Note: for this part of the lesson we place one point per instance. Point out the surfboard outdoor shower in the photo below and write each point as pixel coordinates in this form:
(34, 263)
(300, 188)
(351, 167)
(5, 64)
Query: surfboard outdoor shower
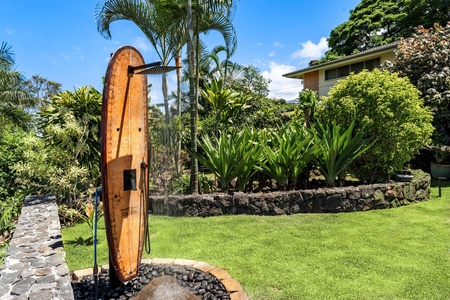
(125, 161)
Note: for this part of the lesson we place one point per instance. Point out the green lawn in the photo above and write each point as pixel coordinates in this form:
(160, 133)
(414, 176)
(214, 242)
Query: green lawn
(401, 253)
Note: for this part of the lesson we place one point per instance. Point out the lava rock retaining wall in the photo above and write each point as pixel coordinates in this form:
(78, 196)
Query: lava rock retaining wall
(326, 200)
(35, 266)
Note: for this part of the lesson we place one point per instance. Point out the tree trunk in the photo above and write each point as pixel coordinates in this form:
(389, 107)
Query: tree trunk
(178, 151)
(193, 104)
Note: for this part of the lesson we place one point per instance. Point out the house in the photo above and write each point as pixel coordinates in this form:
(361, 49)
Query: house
(321, 77)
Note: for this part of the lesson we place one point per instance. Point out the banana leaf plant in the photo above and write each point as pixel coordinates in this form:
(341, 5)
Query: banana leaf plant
(287, 153)
(337, 149)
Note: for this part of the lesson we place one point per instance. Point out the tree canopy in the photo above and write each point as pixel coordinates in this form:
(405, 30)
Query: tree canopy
(378, 22)
(424, 59)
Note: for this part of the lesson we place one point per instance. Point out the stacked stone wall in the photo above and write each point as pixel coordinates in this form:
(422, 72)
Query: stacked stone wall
(323, 200)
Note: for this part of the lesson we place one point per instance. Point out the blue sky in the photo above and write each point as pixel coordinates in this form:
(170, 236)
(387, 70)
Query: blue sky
(58, 39)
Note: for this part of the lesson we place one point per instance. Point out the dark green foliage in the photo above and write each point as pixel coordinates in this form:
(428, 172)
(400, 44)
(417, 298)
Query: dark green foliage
(286, 153)
(250, 82)
(425, 60)
(378, 22)
(71, 123)
(391, 113)
(336, 150)
(11, 188)
(231, 155)
(182, 185)
(308, 100)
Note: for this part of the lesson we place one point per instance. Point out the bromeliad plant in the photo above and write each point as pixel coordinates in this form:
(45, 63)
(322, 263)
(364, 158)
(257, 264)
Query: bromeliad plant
(336, 150)
(287, 153)
(89, 213)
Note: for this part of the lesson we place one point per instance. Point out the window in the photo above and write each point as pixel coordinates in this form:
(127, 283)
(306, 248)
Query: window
(372, 64)
(330, 74)
(356, 68)
(343, 71)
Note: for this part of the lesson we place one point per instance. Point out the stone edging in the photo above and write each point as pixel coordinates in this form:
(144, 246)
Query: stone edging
(231, 285)
(322, 200)
(35, 266)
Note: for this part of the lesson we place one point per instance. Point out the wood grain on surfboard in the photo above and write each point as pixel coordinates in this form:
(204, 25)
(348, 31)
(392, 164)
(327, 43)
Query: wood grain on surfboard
(124, 161)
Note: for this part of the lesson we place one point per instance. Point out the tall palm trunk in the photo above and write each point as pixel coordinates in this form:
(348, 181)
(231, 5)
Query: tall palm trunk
(192, 96)
(179, 127)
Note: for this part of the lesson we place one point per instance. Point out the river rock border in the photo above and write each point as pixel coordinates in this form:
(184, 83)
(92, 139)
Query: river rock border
(233, 287)
(322, 200)
(35, 266)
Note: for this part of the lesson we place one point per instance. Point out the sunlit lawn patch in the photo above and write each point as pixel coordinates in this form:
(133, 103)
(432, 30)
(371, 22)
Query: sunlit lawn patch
(400, 253)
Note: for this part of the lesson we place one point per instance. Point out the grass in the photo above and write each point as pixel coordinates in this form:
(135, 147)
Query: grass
(401, 253)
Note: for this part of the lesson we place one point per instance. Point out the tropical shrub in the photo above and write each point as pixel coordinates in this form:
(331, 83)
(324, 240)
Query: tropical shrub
(424, 59)
(70, 128)
(286, 153)
(72, 124)
(231, 155)
(220, 99)
(13, 188)
(336, 150)
(389, 111)
(308, 100)
(182, 184)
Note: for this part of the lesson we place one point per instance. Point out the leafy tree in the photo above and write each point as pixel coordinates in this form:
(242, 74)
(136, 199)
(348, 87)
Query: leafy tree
(258, 110)
(249, 81)
(378, 22)
(424, 59)
(14, 96)
(17, 145)
(224, 69)
(41, 89)
(389, 110)
(424, 13)
(71, 125)
(227, 106)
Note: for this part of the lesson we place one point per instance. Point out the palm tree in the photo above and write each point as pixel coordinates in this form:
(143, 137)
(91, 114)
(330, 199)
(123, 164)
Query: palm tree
(221, 11)
(14, 96)
(169, 25)
(6, 56)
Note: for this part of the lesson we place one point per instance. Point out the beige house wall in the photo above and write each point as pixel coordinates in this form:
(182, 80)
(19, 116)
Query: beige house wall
(324, 86)
(311, 81)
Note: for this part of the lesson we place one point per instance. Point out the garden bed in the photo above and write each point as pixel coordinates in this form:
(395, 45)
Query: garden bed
(321, 200)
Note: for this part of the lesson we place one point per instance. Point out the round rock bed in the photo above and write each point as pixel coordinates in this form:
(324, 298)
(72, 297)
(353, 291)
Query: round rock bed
(160, 280)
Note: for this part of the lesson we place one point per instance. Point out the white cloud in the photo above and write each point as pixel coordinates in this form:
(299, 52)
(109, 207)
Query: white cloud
(278, 44)
(310, 51)
(142, 44)
(272, 53)
(258, 44)
(65, 56)
(281, 87)
(9, 31)
(79, 53)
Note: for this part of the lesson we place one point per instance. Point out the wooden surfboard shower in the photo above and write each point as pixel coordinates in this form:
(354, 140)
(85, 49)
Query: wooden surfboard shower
(125, 158)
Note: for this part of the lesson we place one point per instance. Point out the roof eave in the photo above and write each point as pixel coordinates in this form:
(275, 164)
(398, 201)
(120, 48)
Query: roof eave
(375, 51)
